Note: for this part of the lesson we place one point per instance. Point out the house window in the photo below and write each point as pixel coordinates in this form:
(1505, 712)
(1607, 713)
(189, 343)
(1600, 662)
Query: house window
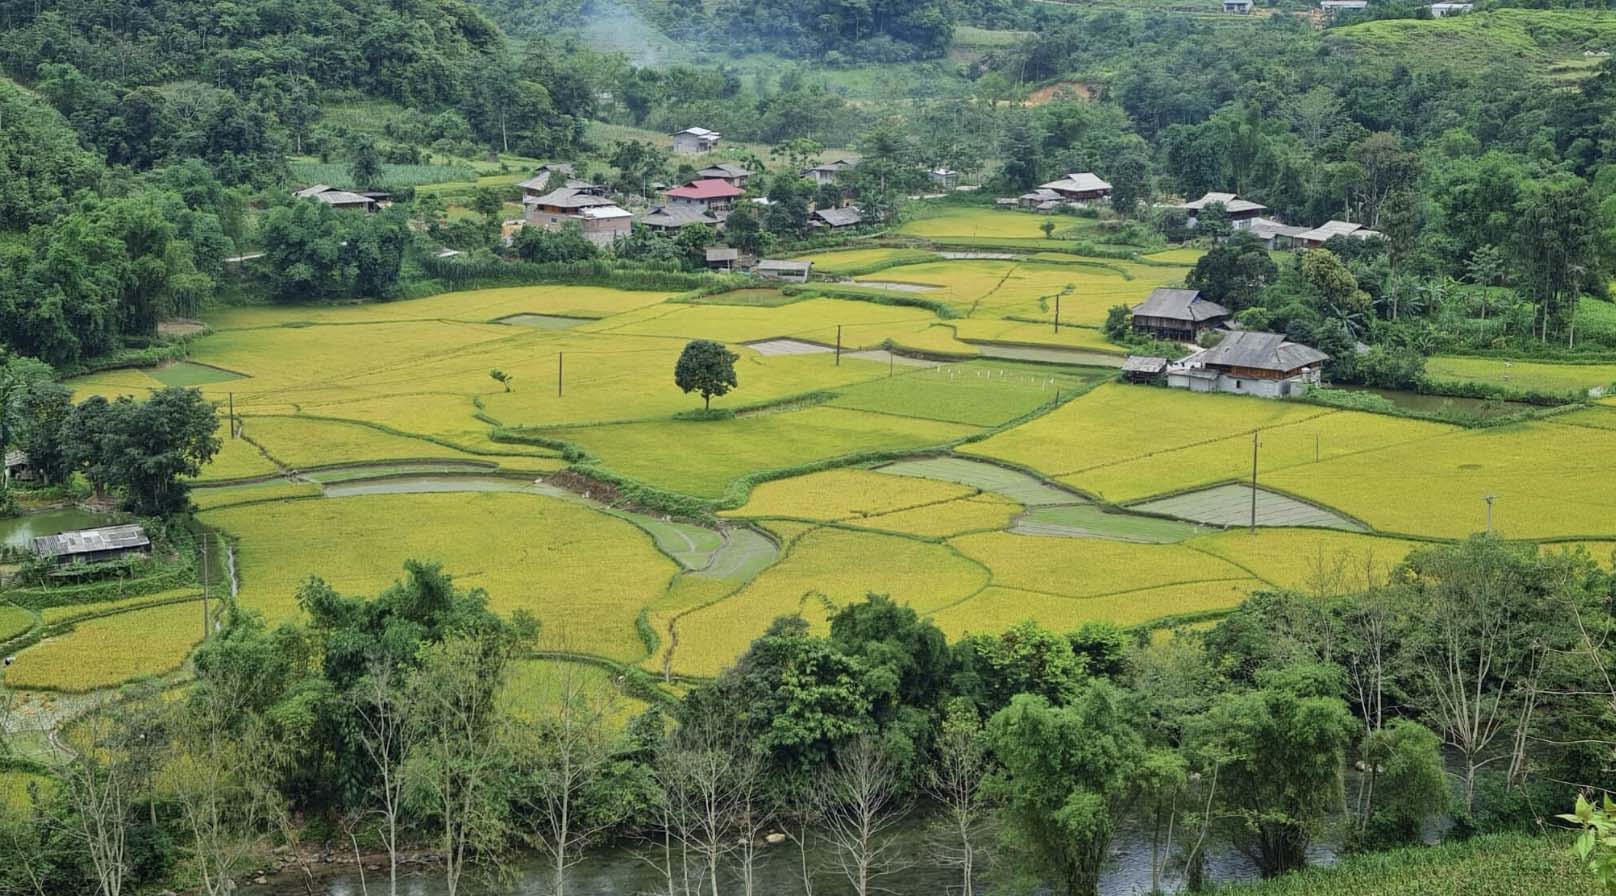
(1237, 384)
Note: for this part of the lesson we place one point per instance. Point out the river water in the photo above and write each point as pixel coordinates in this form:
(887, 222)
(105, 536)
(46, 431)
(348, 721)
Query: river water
(623, 872)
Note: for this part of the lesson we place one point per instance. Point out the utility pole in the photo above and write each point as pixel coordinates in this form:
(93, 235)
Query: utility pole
(204, 586)
(233, 429)
(838, 345)
(1489, 499)
(1315, 447)
(1057, 313)
(1254, 482)
(892, 363)
(560, 371)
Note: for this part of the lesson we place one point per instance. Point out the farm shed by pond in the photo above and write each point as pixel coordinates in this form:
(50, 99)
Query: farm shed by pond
(1177, 314)
(722, 258)
(1248, 362)
(789, 271)
(17, 466)
(1143, 368)
(93, 545)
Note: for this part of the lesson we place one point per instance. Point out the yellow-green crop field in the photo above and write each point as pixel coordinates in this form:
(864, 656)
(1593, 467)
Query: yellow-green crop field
(969, 222)
(790, 509)
(583, 574)
(109, 651)
(14, 621)
(1534, 376)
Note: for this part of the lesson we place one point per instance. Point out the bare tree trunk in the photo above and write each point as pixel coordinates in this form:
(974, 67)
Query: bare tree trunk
(861, 804)
(378, 701)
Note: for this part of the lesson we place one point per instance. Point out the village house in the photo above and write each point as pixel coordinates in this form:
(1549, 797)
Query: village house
(1318, 236)
(1438, 10)
(826, 173)
(1038, 200)
(1248, 362)
(945, 178)
(1239, 7)
(1180, 315)
(1274, 234)
(668, 218)
(788, 271)
(1239, 210)
(695, 141)
(722, 258)
(728, 172)
(601, 219)
(836, 218)
(345, 200)
(1081, 187)
(540, 181)
(1334, 8)
(708, 193)
(93, 545)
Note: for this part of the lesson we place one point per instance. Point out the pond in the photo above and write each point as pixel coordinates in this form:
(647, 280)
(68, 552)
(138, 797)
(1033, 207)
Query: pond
(20, 531)
(1421, 403)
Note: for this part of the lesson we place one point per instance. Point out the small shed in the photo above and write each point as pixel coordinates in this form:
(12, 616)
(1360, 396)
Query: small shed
(1240, 7)
(722, 258)
(947, 178)
(17, 466)
(1438, 10)
(788, 271)
(1143, 368)
(93, 545)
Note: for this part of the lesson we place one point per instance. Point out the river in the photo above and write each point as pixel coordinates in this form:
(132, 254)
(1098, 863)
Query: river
(622, 872)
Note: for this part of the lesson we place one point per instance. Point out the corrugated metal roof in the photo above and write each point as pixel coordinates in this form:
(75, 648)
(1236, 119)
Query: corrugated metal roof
(568, 197)
(1230, 202)
(724, 169)
(706, 188)
(91, 541)
(772, 264)
(1179, 304)
(1080, 182)
(677, 216)
(1260, 351)
(16, 458)
(840, 217)
(1144, 364)
(722, 253)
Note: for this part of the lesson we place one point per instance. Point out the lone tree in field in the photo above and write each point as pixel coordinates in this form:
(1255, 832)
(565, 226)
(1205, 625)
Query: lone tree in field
(706, 367)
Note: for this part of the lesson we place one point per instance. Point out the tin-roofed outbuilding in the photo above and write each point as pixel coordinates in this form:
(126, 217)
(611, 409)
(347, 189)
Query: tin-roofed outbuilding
(93, 545)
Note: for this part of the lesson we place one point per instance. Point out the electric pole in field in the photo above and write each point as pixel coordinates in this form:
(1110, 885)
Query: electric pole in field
(1489, 498)
(838, 345)
(561, 370)
(205, 613)
(1254, 443)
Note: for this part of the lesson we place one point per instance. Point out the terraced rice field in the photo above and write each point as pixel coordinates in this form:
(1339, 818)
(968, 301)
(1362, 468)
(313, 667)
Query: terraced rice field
(980, 490)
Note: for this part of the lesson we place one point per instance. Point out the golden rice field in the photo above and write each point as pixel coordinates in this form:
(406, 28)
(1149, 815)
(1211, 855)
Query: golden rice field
(584, 575)
(391, 383)
(109, 651)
